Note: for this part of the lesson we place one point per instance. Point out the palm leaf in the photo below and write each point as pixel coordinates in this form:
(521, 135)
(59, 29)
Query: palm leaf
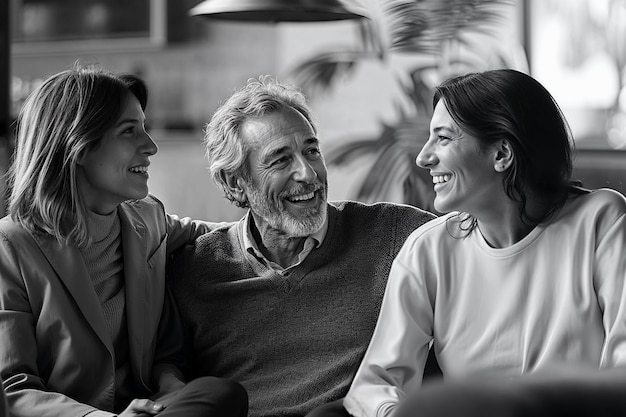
(433, 30)
(319, 73)
(389, 168)
(421, 26)
(417, 90)
(352, 150)
(397, 148)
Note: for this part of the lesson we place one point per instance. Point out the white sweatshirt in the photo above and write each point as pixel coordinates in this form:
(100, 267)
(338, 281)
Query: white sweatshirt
(556, 296)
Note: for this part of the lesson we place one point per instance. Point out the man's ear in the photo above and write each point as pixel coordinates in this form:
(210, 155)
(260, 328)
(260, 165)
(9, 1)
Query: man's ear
(235, 185)
(503, 157)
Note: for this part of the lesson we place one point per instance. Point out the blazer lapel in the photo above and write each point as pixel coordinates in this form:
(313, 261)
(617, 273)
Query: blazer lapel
(135, 273)
(69, 265)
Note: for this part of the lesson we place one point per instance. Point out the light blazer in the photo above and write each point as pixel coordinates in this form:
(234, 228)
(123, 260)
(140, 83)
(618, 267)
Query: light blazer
(56, 355)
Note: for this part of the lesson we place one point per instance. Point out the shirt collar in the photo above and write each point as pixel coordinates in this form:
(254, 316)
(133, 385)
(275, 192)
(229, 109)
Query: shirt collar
(250, 244)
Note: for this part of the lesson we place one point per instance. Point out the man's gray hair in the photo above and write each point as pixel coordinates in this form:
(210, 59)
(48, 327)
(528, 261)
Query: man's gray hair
(226, 151)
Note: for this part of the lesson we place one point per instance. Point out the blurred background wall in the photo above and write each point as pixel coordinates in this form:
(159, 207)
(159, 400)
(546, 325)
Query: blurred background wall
(191, 64)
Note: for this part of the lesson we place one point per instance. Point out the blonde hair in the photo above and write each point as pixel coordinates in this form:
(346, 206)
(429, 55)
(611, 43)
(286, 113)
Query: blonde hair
(66, 116)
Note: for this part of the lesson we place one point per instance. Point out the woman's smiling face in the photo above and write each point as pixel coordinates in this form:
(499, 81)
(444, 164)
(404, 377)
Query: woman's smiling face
(116, 170)
(464, 175)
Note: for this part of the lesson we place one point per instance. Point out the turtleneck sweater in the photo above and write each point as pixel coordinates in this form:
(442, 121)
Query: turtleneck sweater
(105, 263)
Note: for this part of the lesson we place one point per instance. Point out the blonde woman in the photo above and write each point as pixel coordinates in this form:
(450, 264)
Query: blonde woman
(86, 321)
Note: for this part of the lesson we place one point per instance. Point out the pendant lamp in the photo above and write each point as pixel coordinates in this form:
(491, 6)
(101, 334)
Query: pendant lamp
(277, 10)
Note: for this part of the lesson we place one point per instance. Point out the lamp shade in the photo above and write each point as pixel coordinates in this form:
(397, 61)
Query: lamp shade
(277, 10)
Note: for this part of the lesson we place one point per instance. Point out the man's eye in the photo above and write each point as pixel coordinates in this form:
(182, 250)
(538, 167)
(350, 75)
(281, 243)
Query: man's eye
(280, 160)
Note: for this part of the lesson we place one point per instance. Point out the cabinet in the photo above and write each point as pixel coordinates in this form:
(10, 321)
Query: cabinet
(49, 26)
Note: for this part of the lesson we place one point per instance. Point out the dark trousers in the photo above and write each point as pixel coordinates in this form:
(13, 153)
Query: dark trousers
(332, 409)
(205, 397)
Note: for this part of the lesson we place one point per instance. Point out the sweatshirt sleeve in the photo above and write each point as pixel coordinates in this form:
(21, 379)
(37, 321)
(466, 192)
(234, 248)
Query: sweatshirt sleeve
(610, 284)
(395, 359)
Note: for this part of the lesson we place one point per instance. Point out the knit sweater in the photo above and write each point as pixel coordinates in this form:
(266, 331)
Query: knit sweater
(105, 263)
(293, 341)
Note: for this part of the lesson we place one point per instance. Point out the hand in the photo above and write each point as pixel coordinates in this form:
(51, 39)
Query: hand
(141, 407)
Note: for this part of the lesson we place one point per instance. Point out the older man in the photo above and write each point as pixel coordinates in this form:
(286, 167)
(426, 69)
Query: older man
(286, 299)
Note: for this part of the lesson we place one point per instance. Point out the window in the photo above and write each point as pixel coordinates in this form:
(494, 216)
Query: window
(577, 52)
(42, 26)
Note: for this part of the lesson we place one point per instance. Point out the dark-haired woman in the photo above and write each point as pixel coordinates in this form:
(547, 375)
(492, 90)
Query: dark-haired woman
(525, 273)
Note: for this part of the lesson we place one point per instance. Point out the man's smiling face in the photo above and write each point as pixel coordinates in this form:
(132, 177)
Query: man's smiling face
(286, 185)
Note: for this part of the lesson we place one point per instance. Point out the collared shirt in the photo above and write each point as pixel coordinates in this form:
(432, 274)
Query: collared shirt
(250, 245)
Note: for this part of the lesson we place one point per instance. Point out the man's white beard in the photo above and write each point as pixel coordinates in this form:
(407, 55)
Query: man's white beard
(280, 219)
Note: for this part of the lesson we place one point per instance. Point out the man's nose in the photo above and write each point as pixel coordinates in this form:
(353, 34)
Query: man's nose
(303, 170)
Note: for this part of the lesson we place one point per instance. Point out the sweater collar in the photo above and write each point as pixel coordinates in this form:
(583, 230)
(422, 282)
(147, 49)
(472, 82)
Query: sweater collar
(101, 225)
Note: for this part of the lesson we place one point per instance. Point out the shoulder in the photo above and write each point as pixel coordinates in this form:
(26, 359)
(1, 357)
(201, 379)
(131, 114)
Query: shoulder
(13, 231)
(208, 252)
(386, 222)
(17, 242)
(439, 228)
(383, 210)
(427, 249)
(593, 213)
(149, 206)
(222, 234)
(606, 197)
(147, 213)
(601, 204)
(8, 226)
(438, 238)
(219, 238)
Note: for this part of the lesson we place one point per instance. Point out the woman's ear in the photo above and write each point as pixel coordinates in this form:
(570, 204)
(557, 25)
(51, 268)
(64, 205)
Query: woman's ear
(81, 157)
(503, 156)
(235, 185)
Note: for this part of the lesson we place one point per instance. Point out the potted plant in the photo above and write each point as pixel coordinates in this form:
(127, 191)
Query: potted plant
(442, 36)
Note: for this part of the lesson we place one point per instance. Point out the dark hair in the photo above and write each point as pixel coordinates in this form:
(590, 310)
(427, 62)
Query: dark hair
(63, 118)
(508, 104)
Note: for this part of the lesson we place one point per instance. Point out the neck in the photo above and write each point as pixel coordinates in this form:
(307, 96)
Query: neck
(506, 234)
(504, 227)
(277, 246)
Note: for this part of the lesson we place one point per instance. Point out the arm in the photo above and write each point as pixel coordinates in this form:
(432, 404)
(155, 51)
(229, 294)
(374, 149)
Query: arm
(610, 284)
(181, 231)
(25, 388)
(184, 230)
(560, 391)
(397, 352)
